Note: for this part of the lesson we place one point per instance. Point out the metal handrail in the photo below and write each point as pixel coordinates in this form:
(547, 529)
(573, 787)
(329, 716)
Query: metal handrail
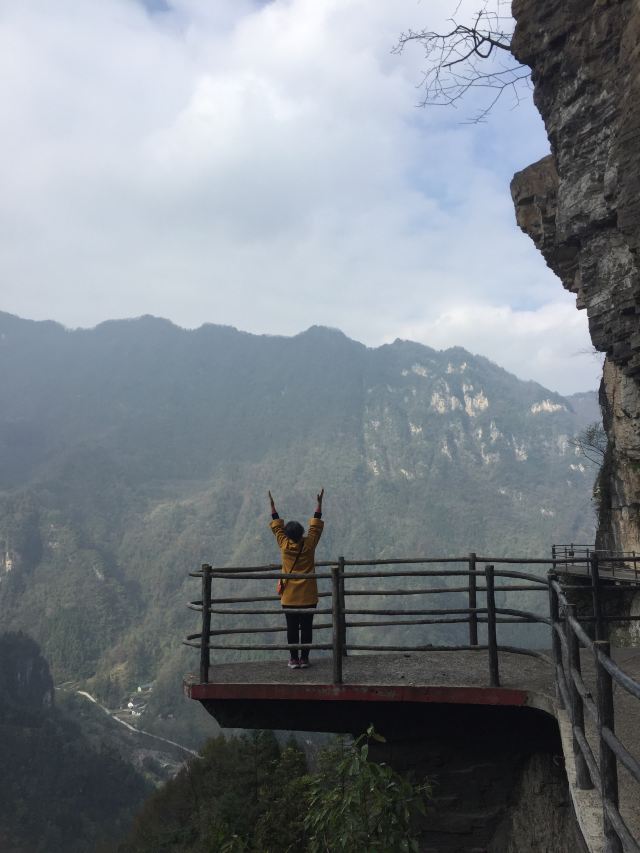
(567, 632)
(576, 697)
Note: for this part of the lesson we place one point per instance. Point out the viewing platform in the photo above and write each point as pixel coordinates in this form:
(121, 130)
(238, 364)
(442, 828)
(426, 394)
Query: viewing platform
(477, 695)
(268, 695)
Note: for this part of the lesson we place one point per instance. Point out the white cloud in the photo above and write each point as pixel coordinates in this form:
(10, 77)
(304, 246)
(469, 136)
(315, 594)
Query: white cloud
(547, 344)
(263, 165)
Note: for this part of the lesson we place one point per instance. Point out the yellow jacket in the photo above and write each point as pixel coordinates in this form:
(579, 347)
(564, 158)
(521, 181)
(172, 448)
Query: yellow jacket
(299, 592)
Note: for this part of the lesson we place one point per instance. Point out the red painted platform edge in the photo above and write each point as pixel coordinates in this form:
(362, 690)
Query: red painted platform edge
(358, 693)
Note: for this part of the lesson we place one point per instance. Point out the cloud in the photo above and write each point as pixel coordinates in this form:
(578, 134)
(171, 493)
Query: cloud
(546, 344)
(262, 165)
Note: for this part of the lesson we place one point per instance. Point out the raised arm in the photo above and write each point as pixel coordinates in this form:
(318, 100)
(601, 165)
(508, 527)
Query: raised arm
(316, 523)
(274, 512)
(277, 524)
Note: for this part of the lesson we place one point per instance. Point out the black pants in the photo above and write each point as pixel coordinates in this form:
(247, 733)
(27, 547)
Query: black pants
(299, 628)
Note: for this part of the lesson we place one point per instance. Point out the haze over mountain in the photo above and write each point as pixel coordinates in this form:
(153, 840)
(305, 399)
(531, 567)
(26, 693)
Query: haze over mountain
(133, 452)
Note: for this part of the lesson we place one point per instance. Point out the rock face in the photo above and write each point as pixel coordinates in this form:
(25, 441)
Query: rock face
(581, 207)
(498, 780)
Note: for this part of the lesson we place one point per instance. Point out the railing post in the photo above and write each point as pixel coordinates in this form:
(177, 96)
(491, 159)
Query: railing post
(343, 616)
(556, 647)
(206, 623)
(595, 592)
(473, 617)
(337, 628)
(553, 558)
(492, 642)
(608, 765)
(583, 778)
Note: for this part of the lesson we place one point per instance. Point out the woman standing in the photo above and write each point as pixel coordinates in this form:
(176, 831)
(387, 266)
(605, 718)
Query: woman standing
(298, 557)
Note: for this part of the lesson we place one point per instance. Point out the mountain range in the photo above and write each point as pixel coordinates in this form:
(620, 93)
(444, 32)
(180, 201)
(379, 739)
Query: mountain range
(132, 452)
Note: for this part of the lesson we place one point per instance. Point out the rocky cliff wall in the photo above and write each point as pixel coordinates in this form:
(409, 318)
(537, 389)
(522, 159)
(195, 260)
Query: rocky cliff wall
(581, 206)
(497, 774)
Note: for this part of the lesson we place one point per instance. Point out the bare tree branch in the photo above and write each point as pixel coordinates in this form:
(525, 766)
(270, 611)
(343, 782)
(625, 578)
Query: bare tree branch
(474, 55)
(591, 442)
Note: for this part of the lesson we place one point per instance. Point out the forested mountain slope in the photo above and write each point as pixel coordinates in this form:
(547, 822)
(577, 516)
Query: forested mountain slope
(133, 452)
(57, 791)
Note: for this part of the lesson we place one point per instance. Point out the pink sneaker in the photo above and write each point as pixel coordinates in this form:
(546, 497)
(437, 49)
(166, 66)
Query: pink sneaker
(304, 664)
(293, 663)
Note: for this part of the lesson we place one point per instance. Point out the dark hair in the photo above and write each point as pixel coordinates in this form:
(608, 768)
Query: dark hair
(294, 530)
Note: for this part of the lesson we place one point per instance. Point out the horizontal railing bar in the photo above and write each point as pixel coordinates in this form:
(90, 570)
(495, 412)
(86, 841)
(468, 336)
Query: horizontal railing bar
(585, 587)
(506, 611)
(534, 561)
(425, 573)
(262, 648)
(442, 621)
(231, 612)
(611, 619)
(406, 561)
(620, 677)
(558, 561)
(271, 572)
(542, 582)
(222, 632)
(380, 612)
(322, 626)
(436, 590)
(522, 616)
(280, 611)
(254, 599)
(622, 753)
(428, 648)
(518, 650)
(440, 589)
(273, 576)
(585, 749)
(629, 843)
(267, 567)
(512, 621)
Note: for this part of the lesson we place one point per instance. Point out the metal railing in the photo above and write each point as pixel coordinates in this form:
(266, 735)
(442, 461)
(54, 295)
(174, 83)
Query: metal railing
(343, 606)
(496, 576)
(573, 695)
(621, 565)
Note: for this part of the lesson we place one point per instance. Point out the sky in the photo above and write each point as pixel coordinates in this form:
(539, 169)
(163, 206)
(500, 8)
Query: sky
(267, 165)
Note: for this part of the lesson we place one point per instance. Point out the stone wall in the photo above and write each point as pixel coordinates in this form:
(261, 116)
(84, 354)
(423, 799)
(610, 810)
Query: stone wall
(581, 206)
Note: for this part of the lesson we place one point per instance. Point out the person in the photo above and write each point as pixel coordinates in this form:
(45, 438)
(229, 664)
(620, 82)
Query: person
(298, 557)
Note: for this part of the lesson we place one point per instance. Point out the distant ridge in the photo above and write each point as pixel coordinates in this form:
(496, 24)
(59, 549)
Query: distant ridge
(134, 451)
